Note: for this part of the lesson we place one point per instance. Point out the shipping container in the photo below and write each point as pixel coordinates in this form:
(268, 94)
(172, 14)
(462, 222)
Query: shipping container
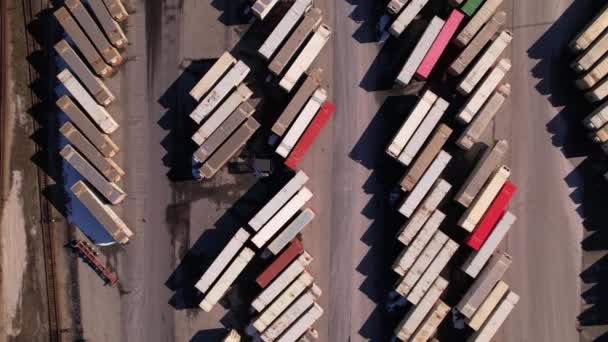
(483, 91)
(592, 55)
(283, 28)
(283, 215)
(484, 284)
(298, 101)
(420, 50)
(242, 113)
(117, 10)
(297, 309)
(83, 43)
(311, 22)
(474, 25)
(224, 283)
(309, 136)
(590, 33)
(473, 132)
(495, 321)
(261, 8)
(106, 166)
(423, 212)
(111, 28)
(302, 324)
(599, 92)
(101, 141)
(441, 42)
(412, 122)
(406, 328)
(406, 16)
(427, 329)
(278, 201)
(422, 188)
(488, 163)
(291, 231)
(231, 80)
(92, 83)
(488, 305)
(477, 44)
(477, 260)
(102, 212)
(242, 94)
(484, 199)
(229, 148)
(233, 336)
(222, 260)
(219, 69)
(108, 52)
(593, 76)
(432, 272)
(422, 162)
(304, 60)
(301, 123)
(491, 217)
(97, 113)
(110, 191)
(280, 263)
(485, 62)
(471, 6)
(395, 6)
(423, 132)
(597, 118)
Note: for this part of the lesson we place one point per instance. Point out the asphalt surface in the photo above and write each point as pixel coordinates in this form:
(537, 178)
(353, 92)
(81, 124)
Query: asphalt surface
(181, 224)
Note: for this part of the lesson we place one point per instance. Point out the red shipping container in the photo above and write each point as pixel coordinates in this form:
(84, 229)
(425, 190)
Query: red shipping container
(280, 263)
(489, 220)
(441, 42)
(309, 136)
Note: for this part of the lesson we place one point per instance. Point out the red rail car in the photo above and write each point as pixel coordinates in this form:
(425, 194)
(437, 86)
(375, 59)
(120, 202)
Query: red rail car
(310, 135)
(279, 264)
(439, 45)
(479, 235)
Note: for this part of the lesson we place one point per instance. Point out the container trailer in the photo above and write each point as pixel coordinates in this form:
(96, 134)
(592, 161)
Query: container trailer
(261, 8)
(302, 324)
(291, 231)
(593, 76)
(406, 16)
(592, 55)
(117, 10)
(283, 28)
(474, 25)
(470, 7)
(111, 28)
(432, 272)
(280, 263)
(591, 32)
(219, 69)
(395, 6)
(488, 305)
(410, 125)
(599, 92)
(597, 118)
(290, 316)
(407, 327)
(428, 328)
(499, 316)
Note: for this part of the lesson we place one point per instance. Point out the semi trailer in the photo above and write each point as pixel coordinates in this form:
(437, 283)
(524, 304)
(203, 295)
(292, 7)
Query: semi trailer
(111, 28)
(407, 327)
(408, 128)
(283, 28)
(477, 21)
(420, 50)
(489, 304)
(406, 16)
(294, 249)
(590, 33)
(291, 231)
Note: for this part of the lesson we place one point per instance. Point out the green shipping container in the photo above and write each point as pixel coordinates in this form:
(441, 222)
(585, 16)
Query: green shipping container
(471, 6)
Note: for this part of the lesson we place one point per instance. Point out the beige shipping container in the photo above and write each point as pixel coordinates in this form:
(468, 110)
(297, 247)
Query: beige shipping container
(475, 24)
(590, 33)
(591, 78)
(488, 305)
(591, 56)
(428, 328)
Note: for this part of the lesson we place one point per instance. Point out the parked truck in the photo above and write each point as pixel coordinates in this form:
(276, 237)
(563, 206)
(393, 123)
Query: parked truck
(420, 50)
(311, 22)
(410, 125)
(488, 163)
(283, 28)
(477, 260)
(428, 328)
(430, 151)
(593, 76)
(275, 224)
(297, 309)
(395, 6)
(82, 42)
(482, 202)
(489, 304)
(232, 79)
(309, 136)
(219, 69)
(597, 118)
(101, 141)
(309, 86)
(224, 283)
(474, 131)
(441, 42)
(474, 25)
(261, 8)
(484, 284)
(422, 188)
(229, 148)
(92, 83)
(110, 191)
(302, 324)
(471, 51)
(108, 52)
(599, 92)
(280, 263)
(106, 166)
(491, 217)
(96, 112)
(222, 260)
(485, 62)
(592, 55)
(422, 133)
(281, 282)
(590, 33)
(102, 212)
(116, 9)
(291, 231)
(407, 327)
(308, 54)
(242, 94)
(406, 16)
(111, 28)
(408, 255)
(433, 271)
(302, 121)
(483, 92)
(495, 321)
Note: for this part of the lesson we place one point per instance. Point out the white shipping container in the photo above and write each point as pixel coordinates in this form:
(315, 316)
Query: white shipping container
(299, 307)
(475, 24)
(221, 261)
(428, 328)
(499, 316)
(412, 122)
(488, 305)
(302, 324)
(292, 230)
(405, 18)
(284, 27)
(432, 272)
(302, 121)
(414, 317)
(219, 68)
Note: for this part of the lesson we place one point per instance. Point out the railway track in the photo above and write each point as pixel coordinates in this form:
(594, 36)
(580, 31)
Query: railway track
(31, 8)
